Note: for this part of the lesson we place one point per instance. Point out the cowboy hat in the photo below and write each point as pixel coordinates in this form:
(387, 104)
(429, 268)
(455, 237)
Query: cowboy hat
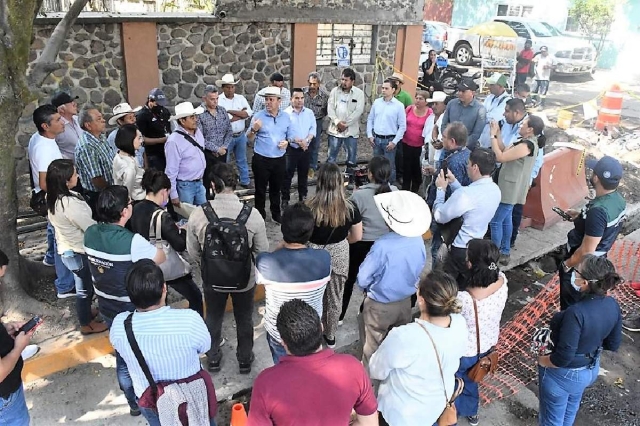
(397, 76)
(405, 212)
(120, 111)
(270, 91)
(437, 97)
(186, 109)
(226, 79)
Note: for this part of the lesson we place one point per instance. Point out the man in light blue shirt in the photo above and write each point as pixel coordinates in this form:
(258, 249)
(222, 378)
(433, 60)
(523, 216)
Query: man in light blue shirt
(270, 130)
(495, 104)
(171, 340)
(386, 124)
(476, 204)
(303, 130)
(392, 268)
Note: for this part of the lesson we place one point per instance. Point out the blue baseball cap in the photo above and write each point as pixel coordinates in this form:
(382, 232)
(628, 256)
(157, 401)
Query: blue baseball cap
(608, 170)
(158, 96)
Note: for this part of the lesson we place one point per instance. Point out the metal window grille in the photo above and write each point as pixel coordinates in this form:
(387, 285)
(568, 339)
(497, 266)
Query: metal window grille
(514, 10)
(358, 37)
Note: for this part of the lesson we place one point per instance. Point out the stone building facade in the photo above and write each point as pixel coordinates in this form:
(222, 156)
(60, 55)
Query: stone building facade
(107, 60)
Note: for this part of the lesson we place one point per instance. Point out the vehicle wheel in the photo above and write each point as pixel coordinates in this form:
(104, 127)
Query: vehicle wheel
(449, 83)
(463, 54)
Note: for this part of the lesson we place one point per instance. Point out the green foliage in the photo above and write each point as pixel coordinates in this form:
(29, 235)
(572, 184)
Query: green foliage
(594, 17)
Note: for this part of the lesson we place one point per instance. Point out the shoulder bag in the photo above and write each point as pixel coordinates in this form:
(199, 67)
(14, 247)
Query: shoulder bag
(174, 266)
(449, 416)
(164, 397)
(488, 363)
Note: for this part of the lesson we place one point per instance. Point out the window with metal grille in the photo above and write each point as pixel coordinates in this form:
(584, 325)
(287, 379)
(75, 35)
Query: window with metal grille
(514, 10)
(358, 37)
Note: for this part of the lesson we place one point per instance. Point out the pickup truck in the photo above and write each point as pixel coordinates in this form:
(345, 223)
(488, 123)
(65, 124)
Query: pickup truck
(571, 55)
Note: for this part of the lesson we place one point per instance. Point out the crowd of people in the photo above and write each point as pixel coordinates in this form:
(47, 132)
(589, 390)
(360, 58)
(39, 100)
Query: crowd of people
(123, 211)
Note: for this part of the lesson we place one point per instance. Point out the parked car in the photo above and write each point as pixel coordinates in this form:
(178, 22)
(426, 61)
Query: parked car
(435, 33)
(571, 55)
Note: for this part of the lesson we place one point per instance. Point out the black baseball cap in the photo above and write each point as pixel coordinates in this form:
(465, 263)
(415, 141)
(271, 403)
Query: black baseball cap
(608, 169)
(61, 99)
(158, 95)
(276, 76)
(467, 84)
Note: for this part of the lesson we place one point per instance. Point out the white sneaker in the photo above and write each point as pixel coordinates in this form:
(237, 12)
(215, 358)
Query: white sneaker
(222, 342)
(340, 322)
(44, 261)
(29, 351)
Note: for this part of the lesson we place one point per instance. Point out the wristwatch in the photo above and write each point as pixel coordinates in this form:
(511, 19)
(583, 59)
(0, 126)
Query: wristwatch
(252, 130)
(565, 268)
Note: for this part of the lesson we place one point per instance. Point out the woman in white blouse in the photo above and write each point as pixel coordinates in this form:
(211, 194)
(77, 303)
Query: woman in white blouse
(412, 391)
(488, 286)
(126, 171)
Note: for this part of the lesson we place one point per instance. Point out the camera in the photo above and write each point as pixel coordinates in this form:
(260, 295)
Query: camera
(359, 175)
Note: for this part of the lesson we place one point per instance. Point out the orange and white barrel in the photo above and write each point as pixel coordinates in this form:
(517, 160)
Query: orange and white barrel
(611, 108)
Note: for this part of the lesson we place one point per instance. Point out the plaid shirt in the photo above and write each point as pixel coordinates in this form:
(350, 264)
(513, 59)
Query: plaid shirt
(318, 104)
(94, 158)
(215, 129)
(258, 101)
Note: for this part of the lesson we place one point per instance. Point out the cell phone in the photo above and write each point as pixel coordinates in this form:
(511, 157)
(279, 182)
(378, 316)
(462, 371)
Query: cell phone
(562, 213)
(444, 166)
(32, 324)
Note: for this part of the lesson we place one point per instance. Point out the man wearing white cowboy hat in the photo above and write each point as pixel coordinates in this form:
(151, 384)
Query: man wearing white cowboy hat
(239, 111)
(124, 114)
(392, 268)
(184, 151)
(432, 131)
(271, 130)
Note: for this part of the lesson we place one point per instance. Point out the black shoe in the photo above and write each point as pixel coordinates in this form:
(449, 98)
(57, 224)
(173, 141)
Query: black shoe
(214, 366)
(277, 218)
(631, 324)
(473, 420)
(245, 367)
(134, 412)
(513, 244)
(504, 259)
(331, 343)
(283, 205)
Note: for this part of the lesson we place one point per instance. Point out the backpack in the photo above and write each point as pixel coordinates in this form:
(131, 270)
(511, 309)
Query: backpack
(226, 255)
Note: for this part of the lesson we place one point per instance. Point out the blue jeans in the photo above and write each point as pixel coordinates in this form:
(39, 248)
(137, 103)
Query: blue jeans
(314, 146)
(152, 417)
(502, 227)
(64, 281)
(238, 147)
(51, 241)
(191, 192)
(350, 146)
(79, 264)
(560, 393)
(380, 148)
(13, 410)
(468, 401)
(276, 348)
(122, 374)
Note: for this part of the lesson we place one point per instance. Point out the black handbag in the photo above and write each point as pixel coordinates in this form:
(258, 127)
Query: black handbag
(38, 203)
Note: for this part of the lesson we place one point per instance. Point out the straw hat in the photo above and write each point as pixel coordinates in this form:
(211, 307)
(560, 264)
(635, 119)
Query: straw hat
(405, 212)
(120, 111)
(397, 76)
(437, 97)
(271, 91)
(186, 109)
(226, 79)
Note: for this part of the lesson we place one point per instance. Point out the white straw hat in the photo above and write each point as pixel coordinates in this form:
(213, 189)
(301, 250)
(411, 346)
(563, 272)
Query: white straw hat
(185, 109)
(120, 111)
(405, 212)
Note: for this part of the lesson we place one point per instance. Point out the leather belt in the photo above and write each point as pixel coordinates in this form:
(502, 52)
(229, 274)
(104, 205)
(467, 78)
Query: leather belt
(384, 136)
(235, 135)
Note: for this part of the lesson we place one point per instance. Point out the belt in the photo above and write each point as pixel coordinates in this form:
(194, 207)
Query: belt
(194, 180)
(235, 135)
(384, 136)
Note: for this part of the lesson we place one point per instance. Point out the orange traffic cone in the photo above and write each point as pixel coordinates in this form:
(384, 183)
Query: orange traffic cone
(238, 415)
(611, 108)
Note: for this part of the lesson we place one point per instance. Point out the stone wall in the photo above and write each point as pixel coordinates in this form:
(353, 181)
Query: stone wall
(191, 56)
(91, 67)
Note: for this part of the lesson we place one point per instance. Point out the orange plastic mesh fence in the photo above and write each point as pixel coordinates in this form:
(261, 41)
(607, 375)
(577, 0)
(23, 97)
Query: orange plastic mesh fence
(518, 365)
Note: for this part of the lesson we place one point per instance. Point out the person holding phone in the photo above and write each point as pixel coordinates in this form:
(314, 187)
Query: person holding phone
(13, 406)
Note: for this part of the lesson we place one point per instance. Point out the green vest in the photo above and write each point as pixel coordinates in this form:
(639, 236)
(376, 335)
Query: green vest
(515, 176)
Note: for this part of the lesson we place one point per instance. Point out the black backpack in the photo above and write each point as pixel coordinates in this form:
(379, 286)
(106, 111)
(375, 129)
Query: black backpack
(226, 256)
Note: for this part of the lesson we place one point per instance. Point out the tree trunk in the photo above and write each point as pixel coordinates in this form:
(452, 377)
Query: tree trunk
(16, 31)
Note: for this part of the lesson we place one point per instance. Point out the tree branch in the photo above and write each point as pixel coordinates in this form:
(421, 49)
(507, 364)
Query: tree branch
(46, 63)
(6, 34)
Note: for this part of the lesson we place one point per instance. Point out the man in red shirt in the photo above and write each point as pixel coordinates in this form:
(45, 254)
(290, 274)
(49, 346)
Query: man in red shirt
(310, 386)
(524, 62)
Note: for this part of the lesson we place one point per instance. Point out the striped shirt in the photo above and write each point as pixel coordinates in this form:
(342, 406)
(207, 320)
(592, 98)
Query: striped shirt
(171, 341)
(284, 278)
